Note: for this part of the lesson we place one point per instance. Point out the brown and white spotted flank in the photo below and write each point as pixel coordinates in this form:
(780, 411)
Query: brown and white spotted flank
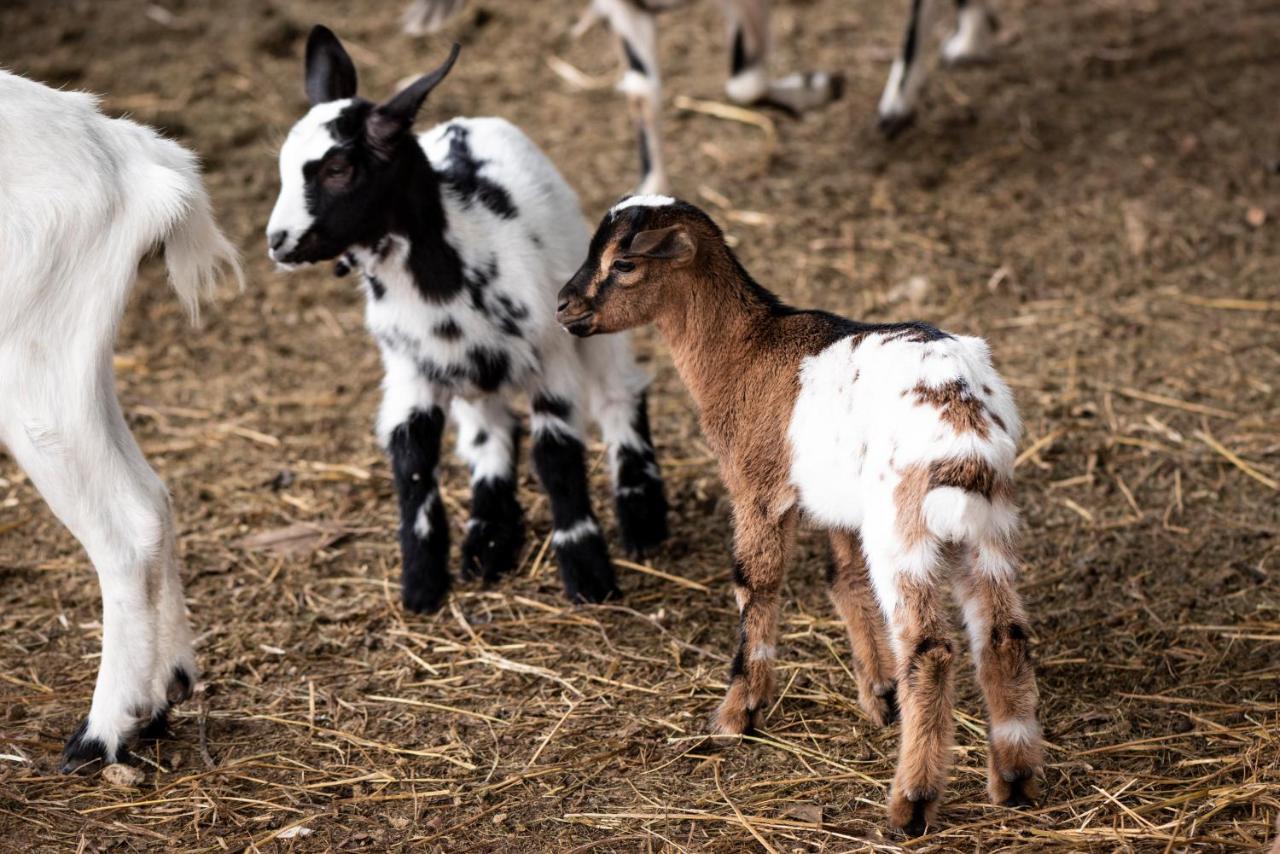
(899, 439)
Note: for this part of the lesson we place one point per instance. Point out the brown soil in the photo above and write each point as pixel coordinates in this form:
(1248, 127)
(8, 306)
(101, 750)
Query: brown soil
(1101, 203)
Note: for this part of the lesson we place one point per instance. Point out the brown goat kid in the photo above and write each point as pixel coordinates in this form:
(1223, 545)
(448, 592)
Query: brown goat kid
(899, 439)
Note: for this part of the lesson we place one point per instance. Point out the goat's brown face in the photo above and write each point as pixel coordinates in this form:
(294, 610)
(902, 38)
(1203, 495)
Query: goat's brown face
(624, 281)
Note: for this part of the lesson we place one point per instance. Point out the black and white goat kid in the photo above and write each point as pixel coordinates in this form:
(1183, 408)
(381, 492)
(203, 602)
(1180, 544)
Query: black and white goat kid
(463, 235)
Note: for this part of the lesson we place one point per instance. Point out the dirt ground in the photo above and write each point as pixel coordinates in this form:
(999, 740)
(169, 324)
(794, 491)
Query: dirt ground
(1101, 203)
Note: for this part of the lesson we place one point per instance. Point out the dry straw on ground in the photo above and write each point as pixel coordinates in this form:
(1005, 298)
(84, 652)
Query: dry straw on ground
(1101, 204)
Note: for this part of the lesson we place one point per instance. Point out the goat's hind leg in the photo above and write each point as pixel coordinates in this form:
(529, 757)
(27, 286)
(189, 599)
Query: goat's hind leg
(997, 627)
(489, 440)
(749, 81)
(637, 34)
(79, 453)
(855, 602)
(619, 404)
(559, 457)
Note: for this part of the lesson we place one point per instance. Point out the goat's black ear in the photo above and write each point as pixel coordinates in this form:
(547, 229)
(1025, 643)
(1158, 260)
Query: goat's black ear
(672, 243)
(389, 120)
(331, 76)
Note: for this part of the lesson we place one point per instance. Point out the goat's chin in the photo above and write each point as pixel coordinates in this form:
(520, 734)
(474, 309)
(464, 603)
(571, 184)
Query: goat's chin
(582, 327)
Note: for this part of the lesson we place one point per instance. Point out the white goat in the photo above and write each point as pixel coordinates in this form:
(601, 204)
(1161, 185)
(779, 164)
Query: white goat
(463, 235)
(85, 197)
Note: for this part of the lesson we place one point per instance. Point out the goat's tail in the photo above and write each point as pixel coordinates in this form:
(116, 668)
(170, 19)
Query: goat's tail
(196, 252)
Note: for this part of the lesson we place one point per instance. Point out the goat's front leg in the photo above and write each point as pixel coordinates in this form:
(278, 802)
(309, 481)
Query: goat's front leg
(906, 77)
(637, 33)
(749, 81)
(489, 440)
(410, 426)
(852, 596)
(762, 545)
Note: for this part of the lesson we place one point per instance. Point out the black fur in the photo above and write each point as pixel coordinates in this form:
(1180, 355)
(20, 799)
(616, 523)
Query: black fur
(448, 329)
(640, 500)
(646, 158)
(633, 61)
(488, 368)
(81, 751)
(585, 568)
(495, 533)
(415, 452)
(550, 405)
(461, 173)
(739, 52)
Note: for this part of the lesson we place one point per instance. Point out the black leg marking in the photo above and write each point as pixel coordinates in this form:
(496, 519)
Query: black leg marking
(424, 529)
(633, 61)
(640, 500)
(739, 52)
(82, 752)
(560, 462)
(495, 533)
(646, 159)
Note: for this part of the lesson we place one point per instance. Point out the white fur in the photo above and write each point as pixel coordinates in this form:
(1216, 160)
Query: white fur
(85, 197)
(857, 425)
(646, 200)
(535, 253)
(580, 531)
(308, 140)
(1016, 731)
(748, 86)
(972, 37)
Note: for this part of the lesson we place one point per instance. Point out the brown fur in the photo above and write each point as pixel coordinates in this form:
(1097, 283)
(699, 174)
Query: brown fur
(739, 353)
(957, 406)
(971, 474)
(908, 499)
(1008, 681)
(873, 663)
(925, 695)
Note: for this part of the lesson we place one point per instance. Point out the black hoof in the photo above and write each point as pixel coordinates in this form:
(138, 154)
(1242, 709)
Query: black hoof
(586, 571)
(1019, 795)
(491, 549)
(157, 728)
(918, 823)
(892, 125)
(642, 517)
(837, 86)
(423, 597)
(82, 752)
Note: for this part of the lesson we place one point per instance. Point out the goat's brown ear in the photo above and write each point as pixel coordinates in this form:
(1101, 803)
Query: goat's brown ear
(672, 243)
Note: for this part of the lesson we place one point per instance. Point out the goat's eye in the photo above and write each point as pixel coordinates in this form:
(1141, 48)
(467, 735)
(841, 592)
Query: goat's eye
(623, 266)
(337, 169)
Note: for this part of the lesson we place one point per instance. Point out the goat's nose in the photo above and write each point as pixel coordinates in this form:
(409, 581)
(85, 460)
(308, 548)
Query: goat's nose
(564, 305)
(276, 239)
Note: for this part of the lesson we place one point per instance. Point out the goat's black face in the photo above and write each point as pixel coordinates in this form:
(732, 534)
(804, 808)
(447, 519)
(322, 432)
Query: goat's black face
(343, 159)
